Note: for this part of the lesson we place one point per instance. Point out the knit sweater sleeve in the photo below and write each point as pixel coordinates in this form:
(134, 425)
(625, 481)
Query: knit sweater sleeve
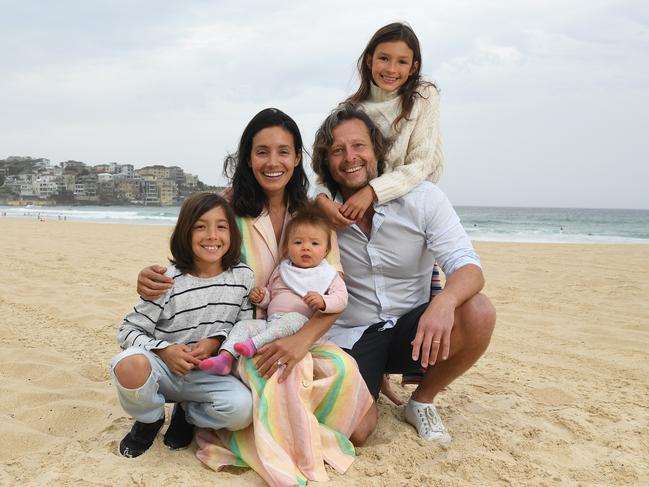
(424, 157)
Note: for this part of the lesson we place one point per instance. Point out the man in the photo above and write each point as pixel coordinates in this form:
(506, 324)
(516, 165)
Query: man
(389, 325)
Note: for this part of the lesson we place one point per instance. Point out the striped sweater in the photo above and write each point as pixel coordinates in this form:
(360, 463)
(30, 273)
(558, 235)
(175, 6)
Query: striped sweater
(193, 309)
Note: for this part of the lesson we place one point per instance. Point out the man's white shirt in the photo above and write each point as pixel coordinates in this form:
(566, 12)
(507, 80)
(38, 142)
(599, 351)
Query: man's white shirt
(389, 274)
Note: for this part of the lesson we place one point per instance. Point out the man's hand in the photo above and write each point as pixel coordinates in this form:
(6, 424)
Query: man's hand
(205, 348)
(332, 210)
(257, 295)
(314, 300)
(227, 194)
(283, 353)
(152, 283)
(358, 203)
(434, 331)
(178, 358)
(433, 338)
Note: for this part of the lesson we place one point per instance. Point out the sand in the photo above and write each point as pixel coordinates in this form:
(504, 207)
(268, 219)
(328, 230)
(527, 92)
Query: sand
(560, 398)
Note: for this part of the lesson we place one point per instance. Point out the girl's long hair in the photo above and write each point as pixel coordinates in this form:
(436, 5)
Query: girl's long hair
(396, 31)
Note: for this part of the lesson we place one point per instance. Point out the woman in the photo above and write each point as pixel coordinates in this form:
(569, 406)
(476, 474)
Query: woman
(304, 413)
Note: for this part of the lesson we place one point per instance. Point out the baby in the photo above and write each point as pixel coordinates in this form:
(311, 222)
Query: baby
(300, 285)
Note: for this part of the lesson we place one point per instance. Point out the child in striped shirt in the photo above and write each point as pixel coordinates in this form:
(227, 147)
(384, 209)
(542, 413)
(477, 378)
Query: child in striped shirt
(165, 340)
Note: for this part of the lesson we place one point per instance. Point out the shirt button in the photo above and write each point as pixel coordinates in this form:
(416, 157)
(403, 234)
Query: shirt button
(306, 383)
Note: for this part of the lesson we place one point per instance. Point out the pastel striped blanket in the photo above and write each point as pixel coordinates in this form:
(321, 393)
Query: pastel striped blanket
(297, 425)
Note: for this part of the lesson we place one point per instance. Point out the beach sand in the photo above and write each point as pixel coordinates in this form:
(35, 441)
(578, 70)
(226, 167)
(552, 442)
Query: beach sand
(560, 398)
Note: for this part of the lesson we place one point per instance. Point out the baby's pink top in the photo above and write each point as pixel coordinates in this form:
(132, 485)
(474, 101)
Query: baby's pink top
(280, 299)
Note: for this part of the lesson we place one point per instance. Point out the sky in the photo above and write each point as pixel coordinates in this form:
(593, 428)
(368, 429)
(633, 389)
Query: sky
(543, 103)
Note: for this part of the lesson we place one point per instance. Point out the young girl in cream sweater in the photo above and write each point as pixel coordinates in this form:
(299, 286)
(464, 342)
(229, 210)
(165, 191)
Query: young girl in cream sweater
(406, 109)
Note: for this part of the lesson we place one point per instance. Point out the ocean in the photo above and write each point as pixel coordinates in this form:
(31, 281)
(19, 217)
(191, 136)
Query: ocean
(543, 225)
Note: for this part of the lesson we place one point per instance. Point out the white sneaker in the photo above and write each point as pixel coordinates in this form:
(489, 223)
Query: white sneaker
(424, 417)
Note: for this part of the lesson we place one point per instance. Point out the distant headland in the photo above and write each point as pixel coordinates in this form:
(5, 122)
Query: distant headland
(36, 181)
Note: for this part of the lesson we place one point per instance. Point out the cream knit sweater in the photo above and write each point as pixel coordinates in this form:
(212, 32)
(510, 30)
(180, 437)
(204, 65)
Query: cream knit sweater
(416, 153)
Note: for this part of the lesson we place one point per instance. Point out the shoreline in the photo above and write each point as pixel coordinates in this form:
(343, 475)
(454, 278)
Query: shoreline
(164, 221)
(560, 397)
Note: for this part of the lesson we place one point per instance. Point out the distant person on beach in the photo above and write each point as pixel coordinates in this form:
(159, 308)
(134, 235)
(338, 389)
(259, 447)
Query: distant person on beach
(290, 376)
(390, 324)
(301, 284)
(164, 340)
(406, 108)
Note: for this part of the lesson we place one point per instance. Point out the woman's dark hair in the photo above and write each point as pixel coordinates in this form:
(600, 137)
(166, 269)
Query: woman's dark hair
(181, 239)
(248, 197)
(310, 214)
(396, 31)
(324, 139)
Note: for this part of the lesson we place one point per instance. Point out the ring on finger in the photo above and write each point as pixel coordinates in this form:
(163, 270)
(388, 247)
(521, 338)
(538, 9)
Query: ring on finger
(280, 364)
(437, 341)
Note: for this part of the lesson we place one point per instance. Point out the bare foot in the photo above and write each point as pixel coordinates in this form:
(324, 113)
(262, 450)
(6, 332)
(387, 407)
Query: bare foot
(386, 389)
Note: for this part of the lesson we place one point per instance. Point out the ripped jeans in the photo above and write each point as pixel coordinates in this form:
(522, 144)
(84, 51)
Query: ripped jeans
(210, 401)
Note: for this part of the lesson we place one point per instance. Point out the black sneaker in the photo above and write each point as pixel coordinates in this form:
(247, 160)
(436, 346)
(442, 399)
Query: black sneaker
(180, 433)
(140, 438)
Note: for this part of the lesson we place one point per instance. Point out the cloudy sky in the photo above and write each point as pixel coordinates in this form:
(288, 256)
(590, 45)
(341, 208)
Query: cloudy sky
(544, 103)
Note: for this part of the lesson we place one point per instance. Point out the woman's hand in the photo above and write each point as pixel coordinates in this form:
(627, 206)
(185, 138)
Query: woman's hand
(227, 194)
(357, 204)
(178, 358)
(286, 352)
(283, 353)
(332, 210)
(152, 283)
